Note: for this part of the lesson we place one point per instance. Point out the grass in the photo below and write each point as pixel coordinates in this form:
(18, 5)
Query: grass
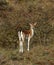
(36, 56)
(25, 11)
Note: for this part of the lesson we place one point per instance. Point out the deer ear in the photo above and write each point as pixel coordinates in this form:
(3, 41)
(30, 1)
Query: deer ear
(35, 24)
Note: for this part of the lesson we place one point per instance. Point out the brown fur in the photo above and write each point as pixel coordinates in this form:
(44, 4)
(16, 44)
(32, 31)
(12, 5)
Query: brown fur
(27, 32)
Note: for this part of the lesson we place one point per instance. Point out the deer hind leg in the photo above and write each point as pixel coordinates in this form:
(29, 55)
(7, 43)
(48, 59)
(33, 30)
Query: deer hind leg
(22, 36)
(21, 47)
(20, 42)
(28, 43)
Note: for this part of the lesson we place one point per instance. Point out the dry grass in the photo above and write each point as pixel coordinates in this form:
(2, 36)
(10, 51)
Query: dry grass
(38, 55)
(19, 13)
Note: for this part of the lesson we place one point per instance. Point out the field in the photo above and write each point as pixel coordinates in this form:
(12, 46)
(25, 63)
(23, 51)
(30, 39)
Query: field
(38, 55)
(16, 15)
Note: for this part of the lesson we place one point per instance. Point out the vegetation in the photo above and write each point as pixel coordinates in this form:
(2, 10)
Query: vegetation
(16, 15)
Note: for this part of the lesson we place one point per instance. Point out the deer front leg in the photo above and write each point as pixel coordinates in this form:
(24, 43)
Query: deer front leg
(28, 43)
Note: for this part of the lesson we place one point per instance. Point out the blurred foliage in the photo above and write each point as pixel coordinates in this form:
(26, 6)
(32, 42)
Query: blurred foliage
(17, 14)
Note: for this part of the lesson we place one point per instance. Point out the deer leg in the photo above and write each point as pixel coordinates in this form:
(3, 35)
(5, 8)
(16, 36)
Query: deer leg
(20, 42)
(21, 47)
(28, 43)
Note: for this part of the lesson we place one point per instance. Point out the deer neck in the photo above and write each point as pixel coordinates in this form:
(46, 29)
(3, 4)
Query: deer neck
(32, 32)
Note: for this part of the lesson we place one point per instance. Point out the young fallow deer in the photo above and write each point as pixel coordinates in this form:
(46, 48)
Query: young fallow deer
(28, 34)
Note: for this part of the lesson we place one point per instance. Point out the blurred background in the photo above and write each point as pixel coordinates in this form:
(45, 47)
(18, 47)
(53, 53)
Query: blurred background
(16, 15)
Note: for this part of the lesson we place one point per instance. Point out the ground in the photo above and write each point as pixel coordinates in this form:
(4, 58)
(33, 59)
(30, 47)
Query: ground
(38, 55)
